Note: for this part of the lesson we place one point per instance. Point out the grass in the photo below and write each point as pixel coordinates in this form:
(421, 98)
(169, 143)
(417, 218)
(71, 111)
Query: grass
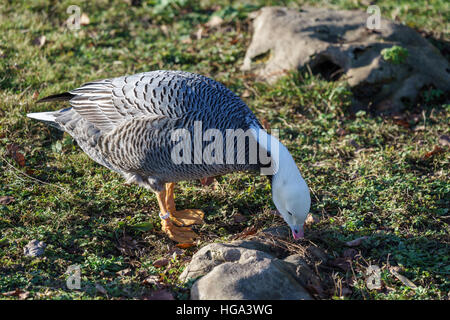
(369, 175)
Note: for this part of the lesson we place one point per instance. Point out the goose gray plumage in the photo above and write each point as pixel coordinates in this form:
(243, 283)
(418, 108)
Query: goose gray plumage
(151, 128)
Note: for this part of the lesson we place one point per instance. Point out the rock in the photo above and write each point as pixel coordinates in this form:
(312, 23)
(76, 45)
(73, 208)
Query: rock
(243, 270)
(213, 255)
(334, 43)
(255, 276)
(34, 248)
(299, 268)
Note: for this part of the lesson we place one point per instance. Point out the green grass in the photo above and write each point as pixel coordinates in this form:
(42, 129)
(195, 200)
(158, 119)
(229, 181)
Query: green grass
(369, 175)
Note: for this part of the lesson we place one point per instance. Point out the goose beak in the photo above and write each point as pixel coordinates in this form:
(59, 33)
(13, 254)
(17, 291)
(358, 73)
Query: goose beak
(297, 232)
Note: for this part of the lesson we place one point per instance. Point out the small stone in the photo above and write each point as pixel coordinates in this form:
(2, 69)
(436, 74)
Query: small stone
(34, 248)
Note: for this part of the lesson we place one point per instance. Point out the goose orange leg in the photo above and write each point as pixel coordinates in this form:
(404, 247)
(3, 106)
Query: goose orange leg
(186, 217)
(176, 223)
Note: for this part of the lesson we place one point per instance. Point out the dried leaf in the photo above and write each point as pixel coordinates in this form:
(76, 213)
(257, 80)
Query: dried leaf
(402, 123)
(435, 151)
(161, 263)
(39, 41)
(124, 272)
(84, 19)
(207, 181)
(246, 232)
(246, 94)
(13, 152)
(310, 219)
(402, 278)
(265, 124)
(185, 245)
(21, 294)
(6, 200)
(341, 132)
(199, 33)
(152, 280)
(356, 242)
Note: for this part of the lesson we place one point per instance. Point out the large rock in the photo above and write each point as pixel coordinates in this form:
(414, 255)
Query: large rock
(334, 43)
(250, 275)
(242, 269)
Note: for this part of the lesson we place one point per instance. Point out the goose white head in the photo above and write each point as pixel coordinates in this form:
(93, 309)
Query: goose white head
(290, 193)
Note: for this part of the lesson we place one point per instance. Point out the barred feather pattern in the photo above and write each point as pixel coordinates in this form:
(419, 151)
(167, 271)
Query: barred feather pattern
(126, 123)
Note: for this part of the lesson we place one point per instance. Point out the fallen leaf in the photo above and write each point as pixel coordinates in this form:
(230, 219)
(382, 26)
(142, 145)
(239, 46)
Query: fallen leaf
(152, 280)
(39, 41)
(356, 242)
(185, 245)
(310, 219)
(402, 123)
(199, 33)
(84, 19)
(165, 30)
(265, 124)
(246, 232)
(124, 272)
(6, 200)
(21, 294)
(161, 263)
(246, 94)
(14, 153)
(435, 151)
(127, 246)
(207, 181)
(402, 278)
(341, 132)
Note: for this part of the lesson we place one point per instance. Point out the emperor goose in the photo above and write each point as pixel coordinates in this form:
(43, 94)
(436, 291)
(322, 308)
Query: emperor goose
(156, 128)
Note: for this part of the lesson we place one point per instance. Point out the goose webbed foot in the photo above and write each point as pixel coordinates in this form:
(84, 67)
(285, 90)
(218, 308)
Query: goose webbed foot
(176, 233)
(176, 223)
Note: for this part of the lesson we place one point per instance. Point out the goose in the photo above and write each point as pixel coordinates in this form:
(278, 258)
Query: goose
(161, 127)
